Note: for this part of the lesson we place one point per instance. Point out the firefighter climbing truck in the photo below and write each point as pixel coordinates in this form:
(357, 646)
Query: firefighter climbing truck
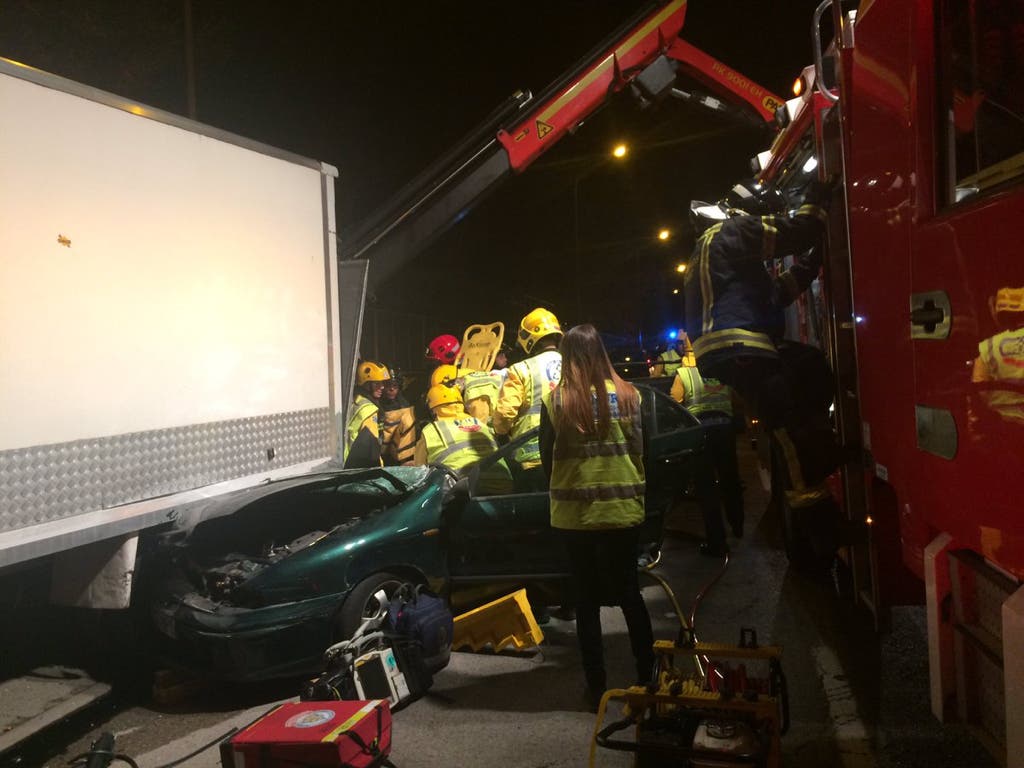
(918, 107)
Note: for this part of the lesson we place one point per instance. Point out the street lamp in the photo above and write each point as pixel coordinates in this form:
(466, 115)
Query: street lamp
(618, 153)
(680, 268)
(664, 234)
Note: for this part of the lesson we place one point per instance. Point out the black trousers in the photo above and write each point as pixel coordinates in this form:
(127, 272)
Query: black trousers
(718, 481)
(604, 571)
(791, 395)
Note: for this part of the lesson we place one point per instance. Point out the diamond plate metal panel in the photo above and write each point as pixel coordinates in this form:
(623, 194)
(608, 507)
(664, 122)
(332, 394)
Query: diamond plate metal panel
(50, 482)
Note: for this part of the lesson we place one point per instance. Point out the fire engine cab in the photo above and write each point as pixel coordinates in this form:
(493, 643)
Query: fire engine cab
(919, 108)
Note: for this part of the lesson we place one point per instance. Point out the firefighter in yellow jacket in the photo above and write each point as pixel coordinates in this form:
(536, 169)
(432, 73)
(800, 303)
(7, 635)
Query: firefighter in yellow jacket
(679, 354)
(456, 440)
(398, 423)
(479, 389)
(362, 433)
(518, 408)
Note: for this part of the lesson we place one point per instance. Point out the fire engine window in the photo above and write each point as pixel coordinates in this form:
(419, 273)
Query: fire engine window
(982, 47)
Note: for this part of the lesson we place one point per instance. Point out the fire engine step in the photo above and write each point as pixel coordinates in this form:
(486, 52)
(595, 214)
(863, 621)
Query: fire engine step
(979, 592)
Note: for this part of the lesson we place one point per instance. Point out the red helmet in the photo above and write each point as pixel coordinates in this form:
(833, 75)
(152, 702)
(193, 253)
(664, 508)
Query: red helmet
(443, 349)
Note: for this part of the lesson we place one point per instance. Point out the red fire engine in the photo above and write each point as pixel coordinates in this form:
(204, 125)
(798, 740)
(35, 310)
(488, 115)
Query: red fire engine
(919, 107)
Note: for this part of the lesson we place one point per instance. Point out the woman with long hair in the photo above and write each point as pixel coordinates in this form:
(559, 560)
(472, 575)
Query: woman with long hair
(592, 450)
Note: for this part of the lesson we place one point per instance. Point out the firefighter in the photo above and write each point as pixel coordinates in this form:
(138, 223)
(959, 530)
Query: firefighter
(399, 423)
(735, 316)
(442, 350)
(362, 433)
(669, 361)
(718, 480)
(456, 440)
(518, 408)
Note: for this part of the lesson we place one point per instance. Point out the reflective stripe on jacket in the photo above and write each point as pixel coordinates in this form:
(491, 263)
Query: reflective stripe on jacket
(459, 442)
(398, 434)
(597, 483)
(363, 408)
(539, 375)
(701, 396)
(733, 305)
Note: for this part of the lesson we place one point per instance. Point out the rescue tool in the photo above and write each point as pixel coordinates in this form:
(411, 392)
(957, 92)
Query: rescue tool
(731, 710)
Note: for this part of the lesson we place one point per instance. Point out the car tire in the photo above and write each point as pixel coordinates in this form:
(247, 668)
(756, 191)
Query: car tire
(361, 604)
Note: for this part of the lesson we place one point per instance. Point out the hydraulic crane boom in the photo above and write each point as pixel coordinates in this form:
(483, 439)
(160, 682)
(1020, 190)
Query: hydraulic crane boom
(644, 55)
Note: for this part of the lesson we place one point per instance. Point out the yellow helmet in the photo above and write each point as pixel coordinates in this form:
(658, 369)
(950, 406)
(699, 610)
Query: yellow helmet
(535, 326)
(444, 374)
(441, 394)
(368, 370)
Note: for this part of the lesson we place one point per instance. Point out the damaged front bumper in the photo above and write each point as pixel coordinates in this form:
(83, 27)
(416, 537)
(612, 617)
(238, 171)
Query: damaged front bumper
(248, 644)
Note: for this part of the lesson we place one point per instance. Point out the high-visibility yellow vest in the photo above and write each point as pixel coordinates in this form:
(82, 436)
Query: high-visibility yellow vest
(363, 408)
(597, 483)
(465, 440)
(539, 374)
(670, 361)
(480, 393)
(702, 396)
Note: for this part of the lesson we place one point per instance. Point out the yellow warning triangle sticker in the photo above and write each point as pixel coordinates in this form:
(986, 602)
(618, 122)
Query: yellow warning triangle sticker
(543, 129)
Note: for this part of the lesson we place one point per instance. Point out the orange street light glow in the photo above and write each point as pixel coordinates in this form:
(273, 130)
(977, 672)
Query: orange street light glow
(680, 268)
(620, 151)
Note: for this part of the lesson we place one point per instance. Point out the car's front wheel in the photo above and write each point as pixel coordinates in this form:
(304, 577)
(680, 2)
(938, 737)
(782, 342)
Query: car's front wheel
(361, 603)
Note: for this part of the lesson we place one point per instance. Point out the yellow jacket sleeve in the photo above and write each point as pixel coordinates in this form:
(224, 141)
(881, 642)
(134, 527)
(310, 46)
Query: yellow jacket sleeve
(678, 389)
(372, 424)
(420, 456)
(513, 392)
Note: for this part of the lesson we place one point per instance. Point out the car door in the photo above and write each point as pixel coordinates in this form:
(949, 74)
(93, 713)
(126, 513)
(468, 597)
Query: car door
(505, 535)
(673, 443)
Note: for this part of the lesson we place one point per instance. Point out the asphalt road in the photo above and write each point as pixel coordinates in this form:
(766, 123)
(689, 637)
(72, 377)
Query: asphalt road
(857, 698)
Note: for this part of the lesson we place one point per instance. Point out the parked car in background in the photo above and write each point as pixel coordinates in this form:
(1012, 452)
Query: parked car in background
(258, 583)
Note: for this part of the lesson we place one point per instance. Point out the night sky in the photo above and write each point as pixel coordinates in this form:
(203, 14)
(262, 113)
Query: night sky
(381, 89)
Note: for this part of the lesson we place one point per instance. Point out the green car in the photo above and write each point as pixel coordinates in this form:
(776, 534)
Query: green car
(257, 583)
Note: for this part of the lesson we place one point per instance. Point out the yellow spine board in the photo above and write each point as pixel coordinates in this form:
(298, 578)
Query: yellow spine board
(480, 345)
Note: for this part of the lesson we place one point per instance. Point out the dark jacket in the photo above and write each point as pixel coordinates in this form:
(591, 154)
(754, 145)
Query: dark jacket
(733, 305)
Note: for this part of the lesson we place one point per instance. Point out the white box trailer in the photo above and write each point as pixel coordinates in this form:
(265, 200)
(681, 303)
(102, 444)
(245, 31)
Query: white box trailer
(168, 323)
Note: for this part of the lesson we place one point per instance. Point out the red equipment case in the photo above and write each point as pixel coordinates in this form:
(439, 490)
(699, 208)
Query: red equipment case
(324, 734)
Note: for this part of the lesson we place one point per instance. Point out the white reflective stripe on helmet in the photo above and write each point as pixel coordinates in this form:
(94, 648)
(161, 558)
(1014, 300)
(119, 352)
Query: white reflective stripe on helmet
(709, 211)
